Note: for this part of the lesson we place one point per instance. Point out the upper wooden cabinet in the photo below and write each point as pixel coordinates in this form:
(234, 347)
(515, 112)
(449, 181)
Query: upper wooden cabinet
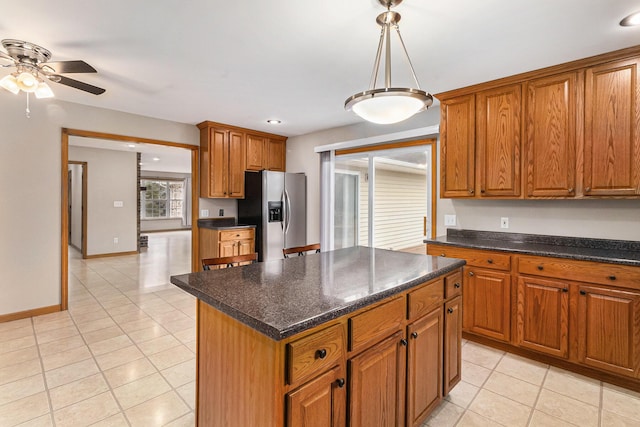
(498, 133)
(612, 123)
(551, 123)
(568, 131)
(226, 152)
(265, 153)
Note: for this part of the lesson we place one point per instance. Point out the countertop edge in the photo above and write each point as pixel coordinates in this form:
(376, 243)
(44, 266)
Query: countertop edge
(280, 334)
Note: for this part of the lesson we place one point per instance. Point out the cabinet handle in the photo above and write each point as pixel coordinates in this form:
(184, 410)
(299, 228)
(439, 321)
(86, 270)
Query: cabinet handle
(471, 191)
(588, 189)
(340, 382)
(403, 342)
(450, 310)
(321, 354)
(414, 335)
(571, 190)
(583, 293)
(482, 190)
(456, 285)
(540, 268)
(612, 277)
(471, 273)
(443, 255)
(490, 261)
(565, 290)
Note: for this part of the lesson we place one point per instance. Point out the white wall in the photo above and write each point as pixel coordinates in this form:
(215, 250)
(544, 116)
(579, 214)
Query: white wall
(112, 176)
(30, 169)
(608, 219)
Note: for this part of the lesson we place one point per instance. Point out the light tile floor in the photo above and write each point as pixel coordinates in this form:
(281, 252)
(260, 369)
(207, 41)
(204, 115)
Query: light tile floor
(123, 355)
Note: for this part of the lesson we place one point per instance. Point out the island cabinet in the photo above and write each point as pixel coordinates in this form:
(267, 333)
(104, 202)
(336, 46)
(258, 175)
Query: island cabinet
(381, 365)
(568, 131)
(576, 314)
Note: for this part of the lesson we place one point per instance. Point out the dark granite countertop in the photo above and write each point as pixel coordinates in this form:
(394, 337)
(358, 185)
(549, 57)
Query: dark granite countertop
(624, 252)
(222, 223)
(283, 297)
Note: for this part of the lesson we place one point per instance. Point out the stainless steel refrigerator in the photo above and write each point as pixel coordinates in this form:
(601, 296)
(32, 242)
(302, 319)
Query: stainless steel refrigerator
(276, 203)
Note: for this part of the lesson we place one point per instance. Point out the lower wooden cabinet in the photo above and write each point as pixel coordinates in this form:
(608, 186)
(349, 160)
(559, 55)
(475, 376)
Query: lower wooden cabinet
(543, 316)
(424, 366)
(487, 303)
(452, 372)
(319, 403)
(227, 242)
(376, 385)
(609, 329)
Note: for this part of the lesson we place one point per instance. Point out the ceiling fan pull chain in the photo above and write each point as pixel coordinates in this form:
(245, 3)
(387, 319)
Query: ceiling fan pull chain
(28, 112)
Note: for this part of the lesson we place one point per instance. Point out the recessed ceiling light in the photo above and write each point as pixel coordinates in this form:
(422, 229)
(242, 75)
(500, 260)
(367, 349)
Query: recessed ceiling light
(156, 159)
(131, 145)
(274, 121)
(631, 20)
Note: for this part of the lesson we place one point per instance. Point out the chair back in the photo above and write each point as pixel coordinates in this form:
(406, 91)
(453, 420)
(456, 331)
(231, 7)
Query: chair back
(229, 261)
(301, 250)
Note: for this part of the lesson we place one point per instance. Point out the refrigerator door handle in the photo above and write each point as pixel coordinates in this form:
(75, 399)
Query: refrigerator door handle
(284, 211)
(287, 209)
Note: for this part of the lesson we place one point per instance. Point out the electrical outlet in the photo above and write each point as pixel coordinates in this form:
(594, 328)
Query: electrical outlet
(115, 240)
(450, 220)
(204, 213)
(504, 222)
(220, 212)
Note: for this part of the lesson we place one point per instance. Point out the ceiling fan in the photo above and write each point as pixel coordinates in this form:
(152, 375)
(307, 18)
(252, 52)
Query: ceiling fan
(33, 69)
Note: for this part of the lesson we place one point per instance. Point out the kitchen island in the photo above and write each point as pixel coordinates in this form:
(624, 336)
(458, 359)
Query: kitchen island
(357, 334)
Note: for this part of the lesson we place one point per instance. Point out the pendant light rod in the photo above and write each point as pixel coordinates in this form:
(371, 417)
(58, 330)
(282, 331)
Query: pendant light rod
(406, 55)
(387, 57)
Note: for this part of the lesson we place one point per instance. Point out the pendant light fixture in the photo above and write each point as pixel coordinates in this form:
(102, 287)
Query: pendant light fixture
(386, 105)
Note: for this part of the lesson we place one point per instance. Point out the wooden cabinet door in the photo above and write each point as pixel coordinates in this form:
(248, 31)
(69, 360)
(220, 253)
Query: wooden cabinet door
(457, 147)
(376, 385)
(550, 136)
(498, 141)
(228, 248)
(245, 247)
(424, 366)
(609, 329)
(612, 123)
(487, 303)
(218, 162)
(276, 155)
(542, 316)
(256, 156)
(236, 164)
(319, 403)
(452, 344)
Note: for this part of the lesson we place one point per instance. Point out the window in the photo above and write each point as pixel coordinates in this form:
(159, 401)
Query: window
(162, 199)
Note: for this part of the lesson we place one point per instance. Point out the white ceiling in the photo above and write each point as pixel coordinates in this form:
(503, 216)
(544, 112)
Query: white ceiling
(242, 62)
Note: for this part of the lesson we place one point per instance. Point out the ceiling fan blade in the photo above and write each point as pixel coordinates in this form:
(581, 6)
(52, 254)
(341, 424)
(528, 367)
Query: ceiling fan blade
(62, 67)
(79, 85)
(6, 57)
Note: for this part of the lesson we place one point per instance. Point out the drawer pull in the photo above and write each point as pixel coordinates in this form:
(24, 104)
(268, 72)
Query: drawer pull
(471, 273)
(456, 285)
(490, 261)
(403, 342)
(321, 354)
(612, 277)
(565, 290)
(450, 310)
(340, 382)
(414, 335)
(471, 191)
(583, 292)
(540, 268)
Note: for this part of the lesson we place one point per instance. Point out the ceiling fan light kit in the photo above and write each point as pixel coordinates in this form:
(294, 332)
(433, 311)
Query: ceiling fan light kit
(33, 70)
(388, 104)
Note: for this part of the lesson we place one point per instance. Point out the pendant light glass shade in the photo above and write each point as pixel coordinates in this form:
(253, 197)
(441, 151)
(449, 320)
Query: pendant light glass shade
(10, 83)
(388, 104)
(27, 82)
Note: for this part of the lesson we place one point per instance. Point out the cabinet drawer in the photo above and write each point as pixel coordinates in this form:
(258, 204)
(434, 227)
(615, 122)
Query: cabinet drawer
(422, 300)
(581, 271)
(314, 353)
(236, 234)
(453, 285)
(375, 324)
(474, 257)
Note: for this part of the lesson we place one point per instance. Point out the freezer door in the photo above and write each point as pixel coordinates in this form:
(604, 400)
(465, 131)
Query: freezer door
(295, 207)
(273, 233)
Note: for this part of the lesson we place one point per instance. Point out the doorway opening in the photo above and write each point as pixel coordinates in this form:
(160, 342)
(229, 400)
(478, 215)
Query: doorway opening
(65, 224)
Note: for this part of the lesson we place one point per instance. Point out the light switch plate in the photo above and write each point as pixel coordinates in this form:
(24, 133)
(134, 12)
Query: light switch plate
(204, 213)
(450, 220)
(118, 203)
